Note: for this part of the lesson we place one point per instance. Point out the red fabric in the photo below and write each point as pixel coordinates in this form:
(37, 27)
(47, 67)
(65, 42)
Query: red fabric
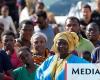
(7, 77)
(15, 61)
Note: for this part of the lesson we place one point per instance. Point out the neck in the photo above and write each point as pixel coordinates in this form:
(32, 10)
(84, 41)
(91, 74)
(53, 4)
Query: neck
(64, 55)
(30, 67)
(94, 41)
(4, 16)
(41, 53)
(87, 20)
(9, 52)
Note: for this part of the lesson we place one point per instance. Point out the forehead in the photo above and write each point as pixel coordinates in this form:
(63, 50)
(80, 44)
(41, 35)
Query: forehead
(71, 21)
(38, 38)
(27, 26)
(8, 37)
(4, 8)
(61, 40)
(23, 53)
(86, 9)
(91, 27)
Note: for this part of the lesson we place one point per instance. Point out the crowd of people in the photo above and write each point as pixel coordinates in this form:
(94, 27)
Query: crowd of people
(33, 48)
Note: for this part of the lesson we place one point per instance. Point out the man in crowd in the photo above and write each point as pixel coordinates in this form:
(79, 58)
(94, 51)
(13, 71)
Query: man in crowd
(72, 24)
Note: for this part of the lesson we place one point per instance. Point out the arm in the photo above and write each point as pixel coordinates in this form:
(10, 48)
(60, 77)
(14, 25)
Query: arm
(12, 25)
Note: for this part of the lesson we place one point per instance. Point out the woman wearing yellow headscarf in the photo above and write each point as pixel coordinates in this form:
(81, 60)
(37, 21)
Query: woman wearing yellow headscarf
(53, 68)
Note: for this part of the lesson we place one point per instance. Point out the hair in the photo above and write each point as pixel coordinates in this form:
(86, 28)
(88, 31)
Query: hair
(27, 22)
(9, 33)
(38, 34)
(94, 25)
(5, 6)
(87, 6)
(24, 48)
(73, 18)
(41, 3)
(42, 14)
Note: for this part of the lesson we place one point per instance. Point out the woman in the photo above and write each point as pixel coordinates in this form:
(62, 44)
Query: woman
(26, 72)
(40, 52)
(53, 67)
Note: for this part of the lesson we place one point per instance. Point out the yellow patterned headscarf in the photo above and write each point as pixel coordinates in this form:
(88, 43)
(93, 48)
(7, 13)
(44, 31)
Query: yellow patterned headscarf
(71, 38)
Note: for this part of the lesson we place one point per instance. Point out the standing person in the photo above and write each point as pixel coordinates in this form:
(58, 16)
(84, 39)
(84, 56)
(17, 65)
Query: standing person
(44, 27)
(28, 70)
(96, 13)
(13, 11)
(39, 6)
(72, 24)
(86, 13)
(52, 22)
(53, 68)
(28, 10)
(8, 22)
(8, 41)
(26, 30)
(20, 4)
(39, 50)
(92, 33)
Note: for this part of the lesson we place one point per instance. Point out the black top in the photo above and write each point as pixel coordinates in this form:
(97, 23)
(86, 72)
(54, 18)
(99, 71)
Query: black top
(5, 63)
(96, 17)
(82, 22)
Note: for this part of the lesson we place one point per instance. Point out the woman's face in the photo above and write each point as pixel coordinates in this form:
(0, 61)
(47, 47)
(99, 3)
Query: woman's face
(62, 46)
(38, 43)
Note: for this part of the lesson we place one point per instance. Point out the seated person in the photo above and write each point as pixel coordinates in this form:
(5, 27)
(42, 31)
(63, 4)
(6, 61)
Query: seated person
(53, 67)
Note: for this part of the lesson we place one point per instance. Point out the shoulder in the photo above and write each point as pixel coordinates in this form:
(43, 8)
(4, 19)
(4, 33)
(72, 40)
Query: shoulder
(9, 18)
(46, 63)
(43, 67)
(3, 53)
(84, 40)
(18, 70)
(76, 59)
(87, 42)
(95, 12)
